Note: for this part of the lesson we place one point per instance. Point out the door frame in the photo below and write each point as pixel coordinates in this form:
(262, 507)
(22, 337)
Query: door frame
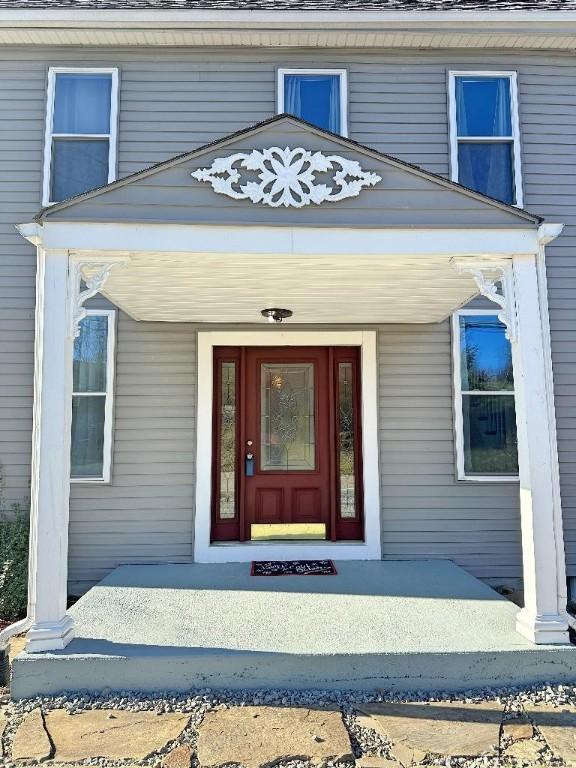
(222, 552)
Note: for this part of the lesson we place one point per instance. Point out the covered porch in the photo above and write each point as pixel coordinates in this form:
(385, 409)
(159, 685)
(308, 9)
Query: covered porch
(400, 626)
(386, 243)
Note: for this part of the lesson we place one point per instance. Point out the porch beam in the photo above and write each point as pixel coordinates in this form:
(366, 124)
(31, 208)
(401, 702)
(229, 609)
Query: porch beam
(88, 239)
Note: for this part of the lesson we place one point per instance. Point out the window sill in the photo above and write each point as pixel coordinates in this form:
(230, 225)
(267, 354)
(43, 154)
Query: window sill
(90, 480)
(489, 479)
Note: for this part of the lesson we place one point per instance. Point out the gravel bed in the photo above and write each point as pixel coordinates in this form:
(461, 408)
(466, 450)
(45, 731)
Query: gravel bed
(365, 741)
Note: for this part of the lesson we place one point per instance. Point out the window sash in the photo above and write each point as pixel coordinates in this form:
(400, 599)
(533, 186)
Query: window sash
(342, 74)
(50, 135)
(460, 394)
(107, 394)
(514, 138)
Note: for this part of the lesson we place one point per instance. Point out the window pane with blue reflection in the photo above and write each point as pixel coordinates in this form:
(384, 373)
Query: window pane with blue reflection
(77, 166)
(490, 444)
(485, 354)
(487, 168)
(90, 354)
(314, 98)
(82, 103)
(483, 106)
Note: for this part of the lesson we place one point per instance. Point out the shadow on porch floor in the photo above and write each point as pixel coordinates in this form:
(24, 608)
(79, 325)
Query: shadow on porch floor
(402, 625)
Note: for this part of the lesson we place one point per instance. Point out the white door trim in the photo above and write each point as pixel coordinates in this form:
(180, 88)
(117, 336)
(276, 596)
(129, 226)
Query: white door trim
(370, 549)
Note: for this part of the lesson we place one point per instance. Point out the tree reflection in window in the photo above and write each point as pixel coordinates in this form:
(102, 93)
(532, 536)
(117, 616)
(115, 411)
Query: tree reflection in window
(346, 447)
(227, 508)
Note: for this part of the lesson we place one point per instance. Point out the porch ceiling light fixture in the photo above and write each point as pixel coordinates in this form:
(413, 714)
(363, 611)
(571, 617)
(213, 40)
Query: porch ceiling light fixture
(276, 315)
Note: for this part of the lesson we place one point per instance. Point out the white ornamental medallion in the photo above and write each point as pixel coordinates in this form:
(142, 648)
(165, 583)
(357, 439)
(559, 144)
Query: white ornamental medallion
(286, 177)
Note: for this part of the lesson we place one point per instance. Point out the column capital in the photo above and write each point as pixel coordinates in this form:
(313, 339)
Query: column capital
(487, 274)
(94, 271)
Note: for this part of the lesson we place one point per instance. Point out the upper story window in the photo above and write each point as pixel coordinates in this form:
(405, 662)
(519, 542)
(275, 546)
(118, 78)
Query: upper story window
(93, 380)
(318, 96)
(80, 147)
(485, 135)
(486, 444)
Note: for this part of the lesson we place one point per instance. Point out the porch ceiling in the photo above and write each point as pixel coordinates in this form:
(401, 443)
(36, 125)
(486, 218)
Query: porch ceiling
(322, 288)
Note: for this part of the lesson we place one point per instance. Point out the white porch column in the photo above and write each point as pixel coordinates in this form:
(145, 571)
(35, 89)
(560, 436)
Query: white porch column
(543, 618)
(52, 628)
(59, 310)
(523, 308)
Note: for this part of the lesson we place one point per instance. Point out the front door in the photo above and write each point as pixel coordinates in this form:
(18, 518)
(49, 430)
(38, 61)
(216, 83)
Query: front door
(287, 454)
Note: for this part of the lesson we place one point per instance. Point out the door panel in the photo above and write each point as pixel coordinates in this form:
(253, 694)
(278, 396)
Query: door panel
(286, 421)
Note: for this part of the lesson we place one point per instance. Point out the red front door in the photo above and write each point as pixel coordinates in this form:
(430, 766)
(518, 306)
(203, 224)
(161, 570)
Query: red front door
(287, 430)
(286, 442)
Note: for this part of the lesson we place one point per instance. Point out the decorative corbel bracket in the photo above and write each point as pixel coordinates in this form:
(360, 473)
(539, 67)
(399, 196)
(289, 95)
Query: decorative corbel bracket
(487, 275)
(94, 284)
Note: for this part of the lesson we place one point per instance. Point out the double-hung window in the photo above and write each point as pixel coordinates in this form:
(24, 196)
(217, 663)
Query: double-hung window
(486, 445)
(318, 96)
(485, 135)
(80, 145)
(91, 449)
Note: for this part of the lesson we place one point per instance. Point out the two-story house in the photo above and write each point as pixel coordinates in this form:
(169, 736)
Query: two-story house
(288, 281)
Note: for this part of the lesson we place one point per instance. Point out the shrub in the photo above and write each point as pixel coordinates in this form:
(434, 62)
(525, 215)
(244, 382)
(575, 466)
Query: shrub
(14, 564)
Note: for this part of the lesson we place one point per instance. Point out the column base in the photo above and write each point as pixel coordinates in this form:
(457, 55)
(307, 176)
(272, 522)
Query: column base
(544, 629)
(50, 635)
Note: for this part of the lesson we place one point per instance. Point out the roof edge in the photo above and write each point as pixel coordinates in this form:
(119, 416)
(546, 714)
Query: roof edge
(44, 213)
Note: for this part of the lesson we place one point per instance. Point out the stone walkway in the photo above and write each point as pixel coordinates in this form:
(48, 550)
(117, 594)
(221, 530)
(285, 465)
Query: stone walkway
(297, 730)
(214, 734)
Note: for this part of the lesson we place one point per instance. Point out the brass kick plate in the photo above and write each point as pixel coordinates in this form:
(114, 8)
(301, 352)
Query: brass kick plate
(270, 531)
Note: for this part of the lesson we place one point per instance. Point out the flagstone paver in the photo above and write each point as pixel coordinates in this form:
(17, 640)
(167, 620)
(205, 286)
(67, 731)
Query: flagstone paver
(376, 761)
(527, 751)
(518, 729)
(113, 734)
(259, 736)
(558, 726)
(31, 741)
(179, 757)
(452, 729)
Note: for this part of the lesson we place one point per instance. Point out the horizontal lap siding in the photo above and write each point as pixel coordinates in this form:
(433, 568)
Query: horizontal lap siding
(145, 515)
(171, 102)
(426, 512)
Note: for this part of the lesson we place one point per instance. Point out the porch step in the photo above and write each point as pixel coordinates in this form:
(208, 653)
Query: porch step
(410, 625)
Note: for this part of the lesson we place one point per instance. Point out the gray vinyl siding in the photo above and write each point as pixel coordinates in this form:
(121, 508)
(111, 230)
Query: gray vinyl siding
(176, 100)
(400, 198)
(145, 515)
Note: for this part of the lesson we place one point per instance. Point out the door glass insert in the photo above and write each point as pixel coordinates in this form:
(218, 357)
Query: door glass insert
(287, 417)
(227, 441)
(346, 447)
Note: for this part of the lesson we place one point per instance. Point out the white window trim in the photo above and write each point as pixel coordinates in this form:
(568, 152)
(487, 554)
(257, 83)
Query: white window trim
(458, 404)
(515, 121)
(205, 551)
(112, 136)
(342, 74)
(109, 404)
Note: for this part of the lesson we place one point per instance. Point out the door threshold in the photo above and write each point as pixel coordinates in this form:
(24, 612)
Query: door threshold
(313, 543)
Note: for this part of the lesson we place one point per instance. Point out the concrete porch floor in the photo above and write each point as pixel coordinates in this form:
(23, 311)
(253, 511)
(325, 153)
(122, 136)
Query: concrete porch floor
(405, 625)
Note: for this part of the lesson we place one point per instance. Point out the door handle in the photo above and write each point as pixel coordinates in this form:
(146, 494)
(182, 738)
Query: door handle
(249, 465)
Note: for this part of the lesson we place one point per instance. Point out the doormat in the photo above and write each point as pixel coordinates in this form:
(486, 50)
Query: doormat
(293, 568)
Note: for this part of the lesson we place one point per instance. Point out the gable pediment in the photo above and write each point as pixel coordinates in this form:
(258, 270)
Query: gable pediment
(285, 172)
